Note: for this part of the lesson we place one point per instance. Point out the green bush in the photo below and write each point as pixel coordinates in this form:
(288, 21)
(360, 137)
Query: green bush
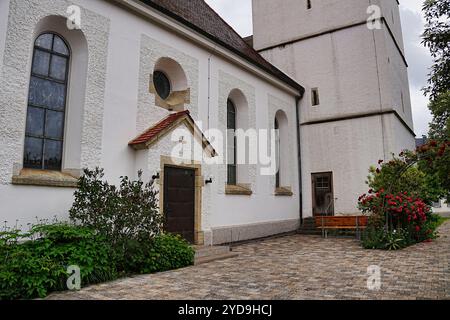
(35, 263)
(121, 234)
(377, 237)
(127, 212)
(399, 175)
(168, 252)
(162, 253)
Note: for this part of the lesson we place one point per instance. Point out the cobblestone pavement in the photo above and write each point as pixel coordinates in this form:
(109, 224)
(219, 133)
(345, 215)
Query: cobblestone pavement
(296, 267)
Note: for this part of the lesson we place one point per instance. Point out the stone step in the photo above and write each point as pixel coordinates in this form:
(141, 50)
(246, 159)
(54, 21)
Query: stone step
(205, 251)
(212, 258)
(205, 254)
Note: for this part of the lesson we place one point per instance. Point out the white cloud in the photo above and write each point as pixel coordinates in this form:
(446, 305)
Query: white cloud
(238, 13)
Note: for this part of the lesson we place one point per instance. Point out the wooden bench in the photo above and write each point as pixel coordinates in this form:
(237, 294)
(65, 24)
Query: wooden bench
(356, 223)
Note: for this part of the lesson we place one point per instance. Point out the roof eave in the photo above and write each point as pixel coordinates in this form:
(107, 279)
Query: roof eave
(190, 31)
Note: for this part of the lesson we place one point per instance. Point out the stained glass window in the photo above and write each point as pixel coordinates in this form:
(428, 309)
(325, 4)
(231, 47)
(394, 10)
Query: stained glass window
(231, 152)
(47, 103)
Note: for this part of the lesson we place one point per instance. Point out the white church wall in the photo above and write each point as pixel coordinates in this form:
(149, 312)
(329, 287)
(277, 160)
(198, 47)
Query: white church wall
(130, 45)
(393, 74)
(398, 138)
(390, 11)
(357, 71)
(23, 22)
(341, 65)
(262, 213)
(4, 10)
(275, 22)
(346, 148)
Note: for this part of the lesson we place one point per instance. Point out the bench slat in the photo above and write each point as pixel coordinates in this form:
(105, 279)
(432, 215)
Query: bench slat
(341, 222)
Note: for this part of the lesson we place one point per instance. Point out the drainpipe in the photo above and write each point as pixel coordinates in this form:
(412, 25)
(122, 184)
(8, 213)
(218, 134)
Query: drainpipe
(299, 156)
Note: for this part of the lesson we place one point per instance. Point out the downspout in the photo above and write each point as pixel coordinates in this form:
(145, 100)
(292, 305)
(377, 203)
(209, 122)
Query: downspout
(209, 88)
(299, 156)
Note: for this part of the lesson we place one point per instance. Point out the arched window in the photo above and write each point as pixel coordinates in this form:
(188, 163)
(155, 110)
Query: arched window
(282, 151)
(47, 103)
(231, 141)
(277, 153)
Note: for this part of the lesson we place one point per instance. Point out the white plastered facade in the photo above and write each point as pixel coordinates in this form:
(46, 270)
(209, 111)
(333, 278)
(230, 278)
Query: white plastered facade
(122, 50)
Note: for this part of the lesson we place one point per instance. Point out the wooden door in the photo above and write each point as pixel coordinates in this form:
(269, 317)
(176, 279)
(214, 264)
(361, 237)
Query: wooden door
(323, 198)
(179, 202)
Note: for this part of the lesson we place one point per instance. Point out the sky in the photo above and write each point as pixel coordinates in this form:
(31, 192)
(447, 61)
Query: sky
(238, 13)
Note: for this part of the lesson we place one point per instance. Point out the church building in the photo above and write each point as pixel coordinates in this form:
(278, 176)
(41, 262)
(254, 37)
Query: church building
(243, 138)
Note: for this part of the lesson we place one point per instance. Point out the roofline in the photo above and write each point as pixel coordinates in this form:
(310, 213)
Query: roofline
(174, 22)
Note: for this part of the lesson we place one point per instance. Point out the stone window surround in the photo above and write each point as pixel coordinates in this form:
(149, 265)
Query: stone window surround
(277, 105)
(46, 178)
(240, 189)
(152, 51)
(166, 161)
(243, 96)
(283, 192)
(180, 94)
(48, 16)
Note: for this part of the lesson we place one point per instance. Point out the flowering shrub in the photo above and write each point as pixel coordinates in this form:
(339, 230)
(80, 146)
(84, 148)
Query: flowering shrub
(399, 211)
(401, 191)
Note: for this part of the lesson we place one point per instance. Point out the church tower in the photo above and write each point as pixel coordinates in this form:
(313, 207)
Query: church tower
(356, 108)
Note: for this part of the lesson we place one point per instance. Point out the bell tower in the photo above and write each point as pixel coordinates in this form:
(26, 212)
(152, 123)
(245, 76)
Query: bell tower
(349, 55)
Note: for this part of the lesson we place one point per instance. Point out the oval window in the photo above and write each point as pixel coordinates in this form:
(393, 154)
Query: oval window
(162, 84)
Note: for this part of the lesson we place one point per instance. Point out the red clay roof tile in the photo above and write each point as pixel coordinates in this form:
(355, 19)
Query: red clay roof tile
(153, 131)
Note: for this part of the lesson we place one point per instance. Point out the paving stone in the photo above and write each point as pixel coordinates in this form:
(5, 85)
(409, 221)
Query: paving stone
(295, 267)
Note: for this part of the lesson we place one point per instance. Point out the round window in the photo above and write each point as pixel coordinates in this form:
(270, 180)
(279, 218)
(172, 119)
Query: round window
(162, 84)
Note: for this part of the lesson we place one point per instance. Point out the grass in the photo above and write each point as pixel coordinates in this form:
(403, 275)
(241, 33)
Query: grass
(441, 221)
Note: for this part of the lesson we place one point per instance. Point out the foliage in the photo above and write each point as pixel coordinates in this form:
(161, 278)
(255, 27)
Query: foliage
(440, 109)
(120, 235)
(434, 160)
(34, 263)
(402, 174)
(164, 252)
(398, 211)
(376, 237)
(168, 252)
(129, 212)
(401, 192)
(436, 38)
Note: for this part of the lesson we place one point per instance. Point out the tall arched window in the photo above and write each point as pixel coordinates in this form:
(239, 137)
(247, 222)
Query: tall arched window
(282, 151)
(231, 143)
(277, 154)
(47, 103)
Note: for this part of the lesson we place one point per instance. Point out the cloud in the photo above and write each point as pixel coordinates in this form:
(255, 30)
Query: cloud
(419, 60)
(238, 13)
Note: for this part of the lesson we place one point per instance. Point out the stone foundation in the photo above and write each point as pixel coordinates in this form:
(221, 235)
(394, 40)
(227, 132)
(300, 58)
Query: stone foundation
(252, 231)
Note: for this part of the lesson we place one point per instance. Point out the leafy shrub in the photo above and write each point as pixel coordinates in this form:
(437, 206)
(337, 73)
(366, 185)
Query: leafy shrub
(379, 238)
(168, 252)
(129, 212)
(120, 235)
(164, 252)
(401, 175)
(38, 265)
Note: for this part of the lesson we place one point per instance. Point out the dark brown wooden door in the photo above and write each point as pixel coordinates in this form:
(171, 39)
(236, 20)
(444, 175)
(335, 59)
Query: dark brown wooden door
(179, 202)
(323, 198)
